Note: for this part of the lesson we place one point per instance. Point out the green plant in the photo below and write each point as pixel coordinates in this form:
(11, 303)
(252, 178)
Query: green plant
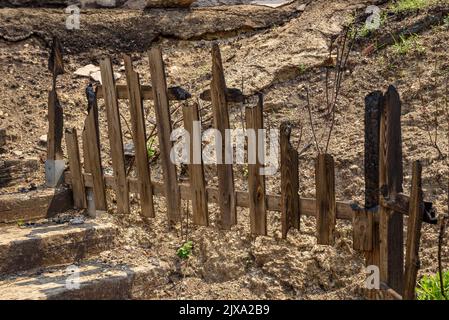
(429, 287)
(407, 44)
(446, 21)
(150, 148)
(185, 250)
(409, 5)
(20, 223)
(302, 68)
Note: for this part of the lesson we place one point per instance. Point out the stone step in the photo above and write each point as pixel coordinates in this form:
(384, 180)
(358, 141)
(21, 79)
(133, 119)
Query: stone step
(86, 281)
(25, 248)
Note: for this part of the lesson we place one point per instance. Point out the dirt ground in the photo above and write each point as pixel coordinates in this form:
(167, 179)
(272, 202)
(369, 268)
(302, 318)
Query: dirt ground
(274, 51)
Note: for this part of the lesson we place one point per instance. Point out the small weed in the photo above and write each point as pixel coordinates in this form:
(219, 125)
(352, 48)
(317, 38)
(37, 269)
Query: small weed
(409, 5)
(150, 148)
(429, 287)
(302, 68)
(446, 21)
(245, 172)
(20, 223)
(185, 250)
(408, 44)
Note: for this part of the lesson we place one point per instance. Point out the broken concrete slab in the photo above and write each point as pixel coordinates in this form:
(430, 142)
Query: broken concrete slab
(86, 70)
(91, 280)
(33, 205)
(25, 248)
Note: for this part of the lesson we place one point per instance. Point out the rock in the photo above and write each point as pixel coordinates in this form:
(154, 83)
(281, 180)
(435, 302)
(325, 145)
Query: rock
(43, 140)
(77, 220)
(17, 153)
(128, 149)
(86, 71)
(96, 76)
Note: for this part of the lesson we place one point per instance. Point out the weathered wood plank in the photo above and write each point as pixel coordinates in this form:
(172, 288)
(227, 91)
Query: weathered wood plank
(256, 181)
(174, 93)
(164, 126)
(139, 138)
(196, 170)
(390, 182)
(413, 233)
(325, 195)
(91, 150)
(55, 127)
(290, 208)
(227, 202)
(79, 192)
(115, 134)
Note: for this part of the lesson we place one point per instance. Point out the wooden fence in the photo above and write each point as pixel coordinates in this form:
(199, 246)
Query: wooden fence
(377, 228)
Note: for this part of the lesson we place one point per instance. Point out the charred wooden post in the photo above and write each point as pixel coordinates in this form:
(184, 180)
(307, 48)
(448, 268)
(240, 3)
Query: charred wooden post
(139, 137)
(416, 208)
(196, 170)
(390, 182)
(54, 165)
(373, 106)
(227, 201)
(164, 126)
(290, 204)
(115, 135)
(256, 180)
(326, 211)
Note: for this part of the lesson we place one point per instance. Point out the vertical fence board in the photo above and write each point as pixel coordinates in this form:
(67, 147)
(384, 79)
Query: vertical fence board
(373, 105)
(290, 213)
(325, 199)
(416, 210)
(91, 150)
(390, 181)
(115, 134)
(79, 192)
(139, 138)
(227, 201)
(164, 126)
(256, 181)
(196, 169)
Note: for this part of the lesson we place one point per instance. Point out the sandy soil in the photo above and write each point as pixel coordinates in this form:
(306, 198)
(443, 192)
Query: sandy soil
(276, 52)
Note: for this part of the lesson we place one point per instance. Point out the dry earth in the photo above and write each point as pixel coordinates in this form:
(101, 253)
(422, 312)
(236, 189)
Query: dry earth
(274, 51)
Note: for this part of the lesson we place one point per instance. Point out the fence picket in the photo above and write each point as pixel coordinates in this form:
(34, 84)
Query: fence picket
(325, 199)
(416, 210)
(227, 201)
(196, 169)
(390, 182)
(115, 134)
(91, 151)
(290, 203)
(164, 126)
(79, 192)
(139, 138)
(256, 181)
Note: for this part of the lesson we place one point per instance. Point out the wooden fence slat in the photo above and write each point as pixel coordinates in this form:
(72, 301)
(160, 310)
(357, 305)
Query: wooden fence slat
(227, 201)
(91, 150)
(196, 169)
(373, 105)
(362, 227)
(413, 233)
(139, 139)
(390, 182)
(325, 199)
(146, 91)
(115, 134)
(290, 203)
(256, 181)
(164, 126)
(79, 192)
(55, 127)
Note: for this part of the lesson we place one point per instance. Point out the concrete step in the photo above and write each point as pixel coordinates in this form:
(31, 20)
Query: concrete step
(25, 248)
(86, 281)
